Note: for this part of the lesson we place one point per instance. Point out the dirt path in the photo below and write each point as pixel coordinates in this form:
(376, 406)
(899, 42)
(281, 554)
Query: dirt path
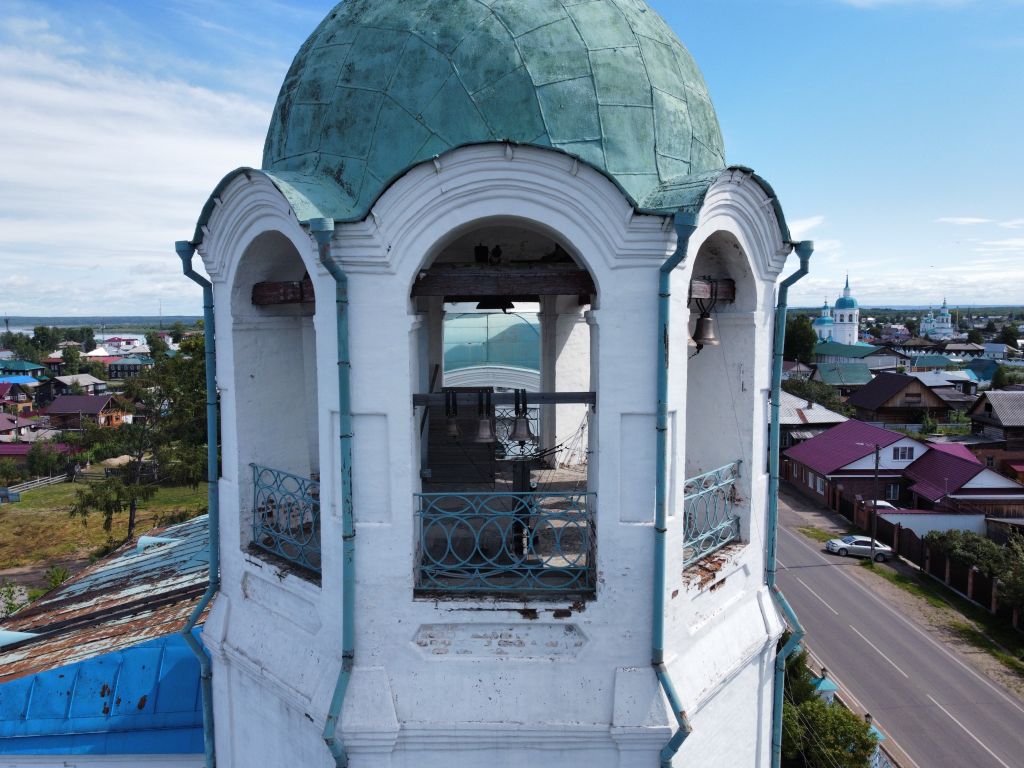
(937, 621)
(34, 576)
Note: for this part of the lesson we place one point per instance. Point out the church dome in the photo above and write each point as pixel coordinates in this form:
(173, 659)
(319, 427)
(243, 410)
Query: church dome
(382, 85)
(846, 302)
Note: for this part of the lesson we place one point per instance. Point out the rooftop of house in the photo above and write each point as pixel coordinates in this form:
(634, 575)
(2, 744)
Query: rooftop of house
(938, 379)
(955, 449)
(841, 445)
(834, 348)
(941, 472)
(133, 360)
(20, 450)
(81, 379)
(880, 390)
(844, 374)
(29, 381)
(931, 361)
(1007, 407)
(795, 411)
(20, 366)
(85, 404)
(9, 422)
(98, 665)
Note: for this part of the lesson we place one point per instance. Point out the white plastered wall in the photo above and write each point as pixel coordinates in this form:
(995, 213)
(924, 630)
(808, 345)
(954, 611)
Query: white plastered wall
(492, 682)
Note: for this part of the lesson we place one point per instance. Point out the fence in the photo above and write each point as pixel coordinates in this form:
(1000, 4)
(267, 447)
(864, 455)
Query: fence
(536, 542)
(39, 482)
(708, 502)
(286, 516)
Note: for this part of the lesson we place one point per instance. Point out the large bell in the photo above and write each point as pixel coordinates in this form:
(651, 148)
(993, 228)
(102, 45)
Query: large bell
(452, 428)
(704, 333)
(521, 430)
(485, 432)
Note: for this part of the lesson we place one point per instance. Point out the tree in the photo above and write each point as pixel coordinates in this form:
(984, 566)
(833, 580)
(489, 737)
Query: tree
(72, 360)
(912, 325)
(9, 472)
(157, 346)
(45, 460)
(990, 326)
(800, 339)
(817, 392)
(166, 437)
(1000, 378)
(177, 332)
(974, 336)
(1008, 335)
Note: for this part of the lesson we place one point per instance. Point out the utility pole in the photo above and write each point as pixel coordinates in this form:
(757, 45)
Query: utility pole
(874, 516)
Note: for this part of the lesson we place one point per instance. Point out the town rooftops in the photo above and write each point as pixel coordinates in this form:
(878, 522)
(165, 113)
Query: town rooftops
(835, 349)
(81, 379)
(20, 450)
(955, 449)
(20, 366)
(29, 381)
(99, 666)
(133, 360)
(931, 361)
(841, 445)
(9, 422)
(941, 472)
(794, 411)
(880, 390)
(72, 404)
(1007, 407)
(844, 374)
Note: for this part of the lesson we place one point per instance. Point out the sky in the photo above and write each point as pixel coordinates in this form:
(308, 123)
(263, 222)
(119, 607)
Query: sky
(891, 130)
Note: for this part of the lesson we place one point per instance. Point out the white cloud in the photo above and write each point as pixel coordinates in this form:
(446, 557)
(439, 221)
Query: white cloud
(1012, 224)
(962, 220)
(800, 228)
(102, 168)
(887, 3)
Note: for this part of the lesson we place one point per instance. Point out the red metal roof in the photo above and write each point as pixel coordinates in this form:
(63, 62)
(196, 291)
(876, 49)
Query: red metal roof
(841, 445)
(72, 404)
(938, 473)
(955, 449)
(22, 449)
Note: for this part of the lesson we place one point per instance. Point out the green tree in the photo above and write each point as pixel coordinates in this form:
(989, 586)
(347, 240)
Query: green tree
(45, 460)
(800, 339)
(1000, 378)
(990, 326)
(157, 346)
(1012, 589)
(177, 332)
(72, 360)
(10, 473)
(817, 392)
(1008, 335)
(913, 325)
(974, 336)
(164, 440)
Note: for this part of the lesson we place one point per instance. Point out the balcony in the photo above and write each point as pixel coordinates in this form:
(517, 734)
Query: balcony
(539, 543)
(286, 516)
(708, 507)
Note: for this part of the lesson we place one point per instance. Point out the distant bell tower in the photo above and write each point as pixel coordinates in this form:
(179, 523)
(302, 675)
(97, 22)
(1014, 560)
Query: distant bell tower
(846, 317)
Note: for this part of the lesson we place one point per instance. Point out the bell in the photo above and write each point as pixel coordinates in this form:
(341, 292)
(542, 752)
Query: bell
(452, 428)
(485, 433)
(521, 430)
(704, 333)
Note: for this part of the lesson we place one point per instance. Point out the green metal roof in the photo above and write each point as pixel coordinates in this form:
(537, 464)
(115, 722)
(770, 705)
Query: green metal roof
(840, 374)
(856, 351)
(382, 85)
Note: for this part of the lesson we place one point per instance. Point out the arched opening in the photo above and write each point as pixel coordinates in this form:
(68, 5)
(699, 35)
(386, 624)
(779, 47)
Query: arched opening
(275, 392)
(503, 402)
(721, 401)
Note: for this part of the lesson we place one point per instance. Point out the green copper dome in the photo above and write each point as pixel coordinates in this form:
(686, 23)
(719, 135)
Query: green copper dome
(382, 85)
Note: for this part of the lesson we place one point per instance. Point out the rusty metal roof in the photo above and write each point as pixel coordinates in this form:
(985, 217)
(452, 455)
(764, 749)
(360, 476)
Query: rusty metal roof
(119, 602)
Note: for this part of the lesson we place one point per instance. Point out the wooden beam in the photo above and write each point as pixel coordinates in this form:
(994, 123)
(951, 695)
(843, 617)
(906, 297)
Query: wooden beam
(283, 292)
(504, 280)
(469, 398)
(702, 287)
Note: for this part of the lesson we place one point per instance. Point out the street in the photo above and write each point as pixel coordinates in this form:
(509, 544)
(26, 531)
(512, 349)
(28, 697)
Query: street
(939, 710)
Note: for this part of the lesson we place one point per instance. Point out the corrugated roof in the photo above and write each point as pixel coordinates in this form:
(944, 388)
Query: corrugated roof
(82, 379)
(20, 365)
(72, 404)
(795, 411)
(931, 361)
(1007, 406)
(940, 472)
(19, 379)
(117, 603)
(844, 374)
(841, 445)
(844, 350)
(955, 449)
(880, 390)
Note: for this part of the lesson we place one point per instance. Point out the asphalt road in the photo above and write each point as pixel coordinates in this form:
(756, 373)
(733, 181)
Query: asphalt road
(938, 710)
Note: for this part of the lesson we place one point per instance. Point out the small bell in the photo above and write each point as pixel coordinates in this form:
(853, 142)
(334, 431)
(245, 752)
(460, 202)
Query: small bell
(521, 430)
(485, 433)
(704, 333)
(451, 410)
(452, 428)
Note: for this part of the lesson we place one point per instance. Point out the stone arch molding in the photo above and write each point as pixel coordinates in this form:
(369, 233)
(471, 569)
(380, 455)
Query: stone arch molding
(737, 204)
(436, 200)
(249, 206)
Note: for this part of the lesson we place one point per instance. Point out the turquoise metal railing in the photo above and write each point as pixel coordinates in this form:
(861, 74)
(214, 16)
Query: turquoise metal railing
(710, 522)
(538, 542)
(286, 516)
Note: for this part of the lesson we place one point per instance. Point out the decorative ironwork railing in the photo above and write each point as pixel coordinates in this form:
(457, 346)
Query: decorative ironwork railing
(504, 421)
(536, 542)
(286, 516)
(708, 502)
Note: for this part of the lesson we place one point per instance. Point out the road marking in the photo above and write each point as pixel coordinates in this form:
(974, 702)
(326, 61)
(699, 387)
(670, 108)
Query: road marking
(879, 652)
(784, 566)
(976, 739)
(910, 624)
(817, 596)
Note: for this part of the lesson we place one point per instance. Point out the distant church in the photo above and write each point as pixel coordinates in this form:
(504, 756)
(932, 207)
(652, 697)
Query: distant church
(938, 327)
(841, 324)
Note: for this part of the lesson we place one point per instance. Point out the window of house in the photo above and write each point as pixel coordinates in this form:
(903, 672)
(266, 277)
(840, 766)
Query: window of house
(820, 485)
(990, 461)
(810, 479)
(892, 492)
(913, 397)
(903, 453)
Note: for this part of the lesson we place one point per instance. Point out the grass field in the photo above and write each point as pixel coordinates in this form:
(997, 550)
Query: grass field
(38, 528)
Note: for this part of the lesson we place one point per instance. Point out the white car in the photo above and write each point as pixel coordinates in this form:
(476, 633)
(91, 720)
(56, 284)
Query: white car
(858, 546)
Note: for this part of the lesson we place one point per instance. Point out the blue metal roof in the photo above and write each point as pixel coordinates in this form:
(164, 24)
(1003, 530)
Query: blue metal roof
(18, 380)
(139, 700)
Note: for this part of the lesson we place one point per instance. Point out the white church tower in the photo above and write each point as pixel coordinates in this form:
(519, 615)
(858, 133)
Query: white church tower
(411, 576)
(846, 317)
(824, 326)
